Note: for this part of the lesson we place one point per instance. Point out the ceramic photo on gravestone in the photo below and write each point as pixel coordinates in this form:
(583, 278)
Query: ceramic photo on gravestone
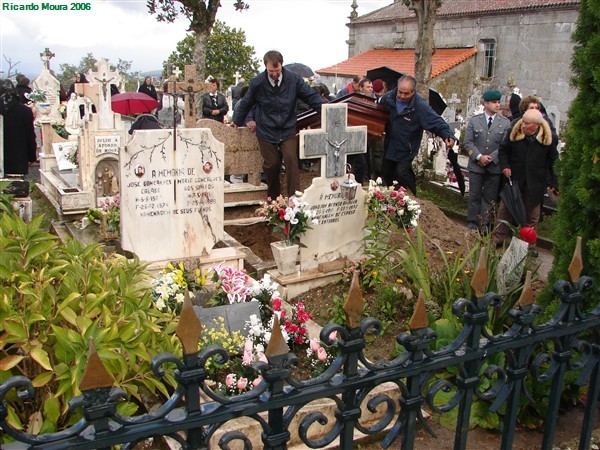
(172, 194)
(340, 218)
(107, 180)
(65, 154)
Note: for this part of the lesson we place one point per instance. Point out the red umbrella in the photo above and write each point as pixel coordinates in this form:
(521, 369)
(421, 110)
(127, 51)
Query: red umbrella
(133, 103)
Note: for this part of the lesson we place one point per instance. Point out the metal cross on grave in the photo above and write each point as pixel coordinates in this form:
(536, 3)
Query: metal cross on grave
(187, 89)
(334, 141)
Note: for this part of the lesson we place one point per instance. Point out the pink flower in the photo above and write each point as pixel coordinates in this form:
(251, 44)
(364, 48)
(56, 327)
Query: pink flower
(394, 194)
(257, 381)
(322, 354)
(249, 346)
(247, 358)
(262, 357)
(333, 335)
(314, 344)
(242, 383)
(276, 304)
(230, 380)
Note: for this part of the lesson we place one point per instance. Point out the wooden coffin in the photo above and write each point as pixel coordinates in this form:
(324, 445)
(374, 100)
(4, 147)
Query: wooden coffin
(362, 110)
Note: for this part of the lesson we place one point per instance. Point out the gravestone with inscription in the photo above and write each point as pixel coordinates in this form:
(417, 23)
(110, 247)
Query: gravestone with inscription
(339, 232)
(172, 194)
(48, 83)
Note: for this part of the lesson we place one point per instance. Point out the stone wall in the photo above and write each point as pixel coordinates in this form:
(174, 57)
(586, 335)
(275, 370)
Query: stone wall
(534, 48)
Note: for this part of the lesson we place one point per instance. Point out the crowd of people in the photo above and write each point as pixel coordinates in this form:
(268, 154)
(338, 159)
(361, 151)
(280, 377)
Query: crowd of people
(512, 140)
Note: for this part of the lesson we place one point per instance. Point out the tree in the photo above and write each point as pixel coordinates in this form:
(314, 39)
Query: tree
(89, 62)
(11, 67)
(201, 14)
(579, 166)
(226, 52)
(426, 11)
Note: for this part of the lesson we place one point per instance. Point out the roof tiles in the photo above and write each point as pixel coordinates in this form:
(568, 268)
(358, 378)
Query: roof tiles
(401, 60)
(398, 10)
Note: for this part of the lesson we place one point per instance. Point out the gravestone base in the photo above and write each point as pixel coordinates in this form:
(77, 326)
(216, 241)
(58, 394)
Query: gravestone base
(231, 257)
(68, 200)
(303, 281)
(243, 194)
(23, 208)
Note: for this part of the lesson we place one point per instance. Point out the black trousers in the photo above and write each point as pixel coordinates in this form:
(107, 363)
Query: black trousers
(400, 171)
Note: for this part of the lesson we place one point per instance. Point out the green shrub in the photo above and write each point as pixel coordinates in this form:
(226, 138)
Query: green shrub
(54, 299)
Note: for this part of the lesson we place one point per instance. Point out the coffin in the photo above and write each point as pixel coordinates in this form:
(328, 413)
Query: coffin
(362, 110)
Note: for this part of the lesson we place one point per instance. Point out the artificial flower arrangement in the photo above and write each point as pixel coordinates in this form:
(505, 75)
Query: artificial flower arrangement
(393, 203)
(290, 216)
(168, 290)
(37, 96)
(109, 208)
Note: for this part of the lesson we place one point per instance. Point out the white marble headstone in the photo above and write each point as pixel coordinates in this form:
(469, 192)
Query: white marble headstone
(46, 82)
(340, 231)
(172, 199)
(63, 152)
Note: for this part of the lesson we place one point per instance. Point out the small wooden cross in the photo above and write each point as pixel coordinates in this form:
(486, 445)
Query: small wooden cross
(336, 142)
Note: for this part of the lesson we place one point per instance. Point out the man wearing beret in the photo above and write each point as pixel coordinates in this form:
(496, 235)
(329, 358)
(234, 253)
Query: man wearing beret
(483, 138)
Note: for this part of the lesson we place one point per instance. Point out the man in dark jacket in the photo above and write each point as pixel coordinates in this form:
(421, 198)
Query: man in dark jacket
(409, 115)
(527, 155)
(273, 95)
(20, 147)
(214, 104)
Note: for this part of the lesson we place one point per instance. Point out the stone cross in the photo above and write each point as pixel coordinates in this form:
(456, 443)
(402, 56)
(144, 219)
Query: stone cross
(450, 113)
(335, 142)
(104, 77)
(46, 56)
(188, 88)
(177, 72)
(237, 75)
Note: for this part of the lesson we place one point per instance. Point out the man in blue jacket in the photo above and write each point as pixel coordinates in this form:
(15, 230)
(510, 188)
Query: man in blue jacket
(271, 99)
(409, 115)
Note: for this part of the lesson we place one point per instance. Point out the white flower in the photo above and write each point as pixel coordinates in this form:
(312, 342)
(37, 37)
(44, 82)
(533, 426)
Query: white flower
(293, 221)
(160, 304)
(259, 348)
(179, 297)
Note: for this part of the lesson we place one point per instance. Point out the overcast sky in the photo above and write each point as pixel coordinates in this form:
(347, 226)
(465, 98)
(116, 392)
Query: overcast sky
(312, 32)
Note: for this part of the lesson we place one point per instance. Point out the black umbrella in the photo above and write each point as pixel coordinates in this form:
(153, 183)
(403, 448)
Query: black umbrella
(511, 197)
(391, 77)
(436, 101)
(460, 178)
(301, 69)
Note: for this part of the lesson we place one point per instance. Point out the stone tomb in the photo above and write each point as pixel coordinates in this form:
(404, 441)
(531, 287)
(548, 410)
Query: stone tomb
(339, 235)
(242, 157)
(172, 197)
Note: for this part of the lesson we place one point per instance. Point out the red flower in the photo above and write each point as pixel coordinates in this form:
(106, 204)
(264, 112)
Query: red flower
(528, 235)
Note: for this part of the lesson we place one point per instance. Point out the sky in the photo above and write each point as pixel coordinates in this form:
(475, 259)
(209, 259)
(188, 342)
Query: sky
(312, 32)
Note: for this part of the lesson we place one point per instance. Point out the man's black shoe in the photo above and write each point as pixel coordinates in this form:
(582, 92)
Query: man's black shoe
(17, 188)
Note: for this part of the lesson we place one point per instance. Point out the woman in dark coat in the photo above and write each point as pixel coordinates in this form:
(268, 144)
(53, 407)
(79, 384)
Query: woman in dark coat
(22, 89)
(20, 147)
(148, 88)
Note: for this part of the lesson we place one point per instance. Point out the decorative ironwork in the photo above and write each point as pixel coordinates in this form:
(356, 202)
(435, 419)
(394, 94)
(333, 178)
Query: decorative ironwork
(195, 412)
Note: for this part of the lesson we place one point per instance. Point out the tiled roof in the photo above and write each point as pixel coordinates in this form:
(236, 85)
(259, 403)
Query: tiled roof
(400, 60)
(450, 8)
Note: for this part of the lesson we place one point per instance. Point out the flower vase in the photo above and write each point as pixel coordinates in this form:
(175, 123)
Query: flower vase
(44, 109)
(285, 255)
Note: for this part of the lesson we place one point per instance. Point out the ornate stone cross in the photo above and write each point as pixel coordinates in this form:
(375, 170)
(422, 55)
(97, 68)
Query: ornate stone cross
(187, 89)
(104, 77)
(334, 141)
(46, 56)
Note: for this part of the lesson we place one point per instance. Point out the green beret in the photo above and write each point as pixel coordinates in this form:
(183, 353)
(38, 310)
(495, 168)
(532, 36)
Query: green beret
(492, 95)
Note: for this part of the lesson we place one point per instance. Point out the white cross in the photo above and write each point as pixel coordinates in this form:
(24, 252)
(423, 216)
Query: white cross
(177, 72)
(237, 76)
(454, 100)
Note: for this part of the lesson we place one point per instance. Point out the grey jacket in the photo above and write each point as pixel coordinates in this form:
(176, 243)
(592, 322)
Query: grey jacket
(481, 141)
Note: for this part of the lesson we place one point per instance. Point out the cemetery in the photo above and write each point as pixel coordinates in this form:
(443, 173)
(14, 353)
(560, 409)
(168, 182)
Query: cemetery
(375, 314)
